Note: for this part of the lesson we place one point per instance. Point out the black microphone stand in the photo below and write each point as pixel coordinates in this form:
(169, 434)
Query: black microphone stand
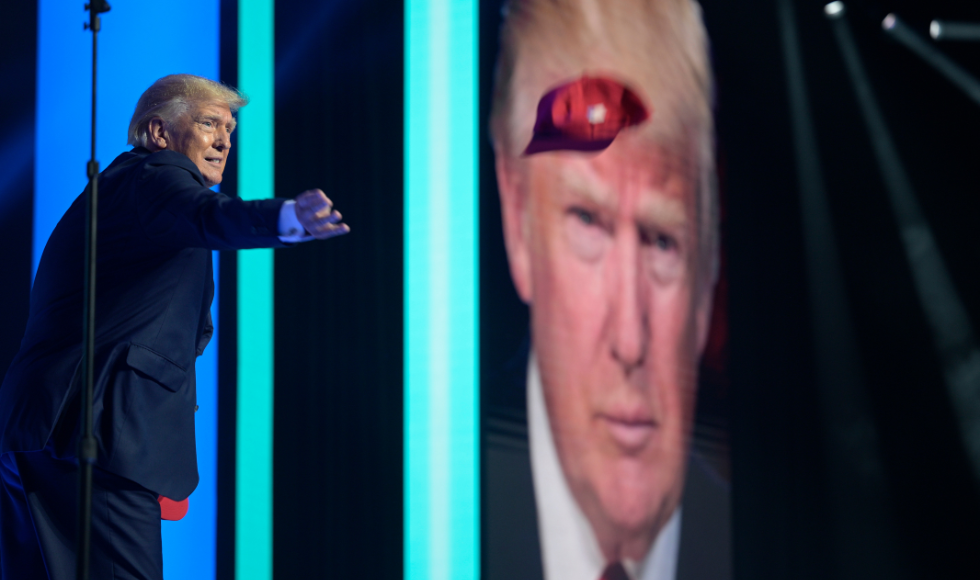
(86, 447)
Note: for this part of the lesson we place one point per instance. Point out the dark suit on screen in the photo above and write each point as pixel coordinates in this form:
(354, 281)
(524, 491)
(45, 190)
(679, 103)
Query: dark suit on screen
(512, 543)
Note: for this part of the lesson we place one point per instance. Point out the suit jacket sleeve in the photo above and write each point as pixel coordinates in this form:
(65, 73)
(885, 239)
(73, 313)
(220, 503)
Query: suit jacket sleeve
(175, 208)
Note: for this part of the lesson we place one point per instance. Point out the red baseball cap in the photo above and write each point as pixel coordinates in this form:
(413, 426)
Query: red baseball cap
(585, 115)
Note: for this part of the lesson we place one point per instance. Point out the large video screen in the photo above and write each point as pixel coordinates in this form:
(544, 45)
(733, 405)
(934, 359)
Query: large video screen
(603, 344)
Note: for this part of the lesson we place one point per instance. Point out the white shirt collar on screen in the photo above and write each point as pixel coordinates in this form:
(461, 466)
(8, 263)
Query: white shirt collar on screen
(569, 548)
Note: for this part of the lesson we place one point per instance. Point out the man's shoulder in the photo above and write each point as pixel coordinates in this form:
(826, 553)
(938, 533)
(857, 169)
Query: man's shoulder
(150, 164)
(169, 163)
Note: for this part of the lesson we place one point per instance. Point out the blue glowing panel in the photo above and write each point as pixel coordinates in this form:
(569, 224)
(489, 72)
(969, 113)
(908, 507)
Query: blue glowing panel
(140, 42)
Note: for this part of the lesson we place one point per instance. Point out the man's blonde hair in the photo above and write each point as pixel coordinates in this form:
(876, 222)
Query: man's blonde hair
(171, 96)
(659, 48)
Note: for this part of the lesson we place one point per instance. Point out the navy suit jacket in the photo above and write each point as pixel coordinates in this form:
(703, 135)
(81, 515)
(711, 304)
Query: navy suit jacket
(158, 223)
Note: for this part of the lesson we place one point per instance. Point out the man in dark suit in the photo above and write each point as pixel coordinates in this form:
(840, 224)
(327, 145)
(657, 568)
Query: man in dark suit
(158, 223)
(603, 138)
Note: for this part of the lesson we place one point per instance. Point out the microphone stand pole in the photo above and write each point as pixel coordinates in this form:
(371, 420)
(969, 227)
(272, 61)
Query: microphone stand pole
(86, 447)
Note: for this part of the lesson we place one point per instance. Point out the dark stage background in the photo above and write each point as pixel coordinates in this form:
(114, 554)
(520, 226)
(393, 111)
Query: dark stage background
(338, 419)
(17, 66)
(874, 484)
(338, 306)
(884, 491)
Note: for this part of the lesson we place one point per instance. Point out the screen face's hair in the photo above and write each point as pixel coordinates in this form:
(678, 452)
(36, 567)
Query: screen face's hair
(170, 97)
(657, 47)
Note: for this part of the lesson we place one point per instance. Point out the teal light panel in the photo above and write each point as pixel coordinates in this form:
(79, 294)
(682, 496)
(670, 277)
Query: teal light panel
(253, 491)
(441, 291)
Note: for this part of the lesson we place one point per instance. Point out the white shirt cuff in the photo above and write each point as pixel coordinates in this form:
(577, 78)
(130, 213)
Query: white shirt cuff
(290, 230)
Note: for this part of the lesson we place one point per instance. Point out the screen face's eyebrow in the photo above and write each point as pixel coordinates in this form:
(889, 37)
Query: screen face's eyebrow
(580, 181)
(659, 204)
(663, 211)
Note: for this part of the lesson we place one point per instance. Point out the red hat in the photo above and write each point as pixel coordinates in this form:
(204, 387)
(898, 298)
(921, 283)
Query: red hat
(585, 115)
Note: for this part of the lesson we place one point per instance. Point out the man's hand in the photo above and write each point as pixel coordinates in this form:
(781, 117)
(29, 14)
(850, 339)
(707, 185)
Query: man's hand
(315, 212)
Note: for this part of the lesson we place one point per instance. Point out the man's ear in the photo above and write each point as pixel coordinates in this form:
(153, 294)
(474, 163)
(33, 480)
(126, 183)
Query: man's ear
(159, 138)
(513, 211)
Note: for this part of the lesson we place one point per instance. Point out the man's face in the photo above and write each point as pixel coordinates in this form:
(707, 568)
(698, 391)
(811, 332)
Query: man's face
(604, 248)
(204, 136)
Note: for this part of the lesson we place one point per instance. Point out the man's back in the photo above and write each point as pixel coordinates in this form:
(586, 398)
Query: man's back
(157, 225)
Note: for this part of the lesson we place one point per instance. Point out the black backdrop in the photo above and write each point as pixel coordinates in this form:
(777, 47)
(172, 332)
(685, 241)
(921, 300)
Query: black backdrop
(337, 442)
(338, 416)
(921, 519)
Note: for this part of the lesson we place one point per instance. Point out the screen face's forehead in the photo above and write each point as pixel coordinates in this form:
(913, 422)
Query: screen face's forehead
(656, 49)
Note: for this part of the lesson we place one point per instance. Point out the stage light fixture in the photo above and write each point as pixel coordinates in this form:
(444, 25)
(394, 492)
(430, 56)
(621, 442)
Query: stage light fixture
(934, 57)
(954, 339)
(834, 9)
(946, 30)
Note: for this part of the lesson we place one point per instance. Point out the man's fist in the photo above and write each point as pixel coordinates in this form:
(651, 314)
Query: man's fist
(316, 214)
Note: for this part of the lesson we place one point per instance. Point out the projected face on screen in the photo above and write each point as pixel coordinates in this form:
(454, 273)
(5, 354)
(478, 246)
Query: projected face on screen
(602, 131)
(604, 249)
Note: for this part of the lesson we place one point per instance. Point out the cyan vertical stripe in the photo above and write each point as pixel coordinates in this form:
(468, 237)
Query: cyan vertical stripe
(128, 64)
(441, 291)
(253, 510)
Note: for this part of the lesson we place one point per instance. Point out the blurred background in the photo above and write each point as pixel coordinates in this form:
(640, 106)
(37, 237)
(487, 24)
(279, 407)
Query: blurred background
(845, 385)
